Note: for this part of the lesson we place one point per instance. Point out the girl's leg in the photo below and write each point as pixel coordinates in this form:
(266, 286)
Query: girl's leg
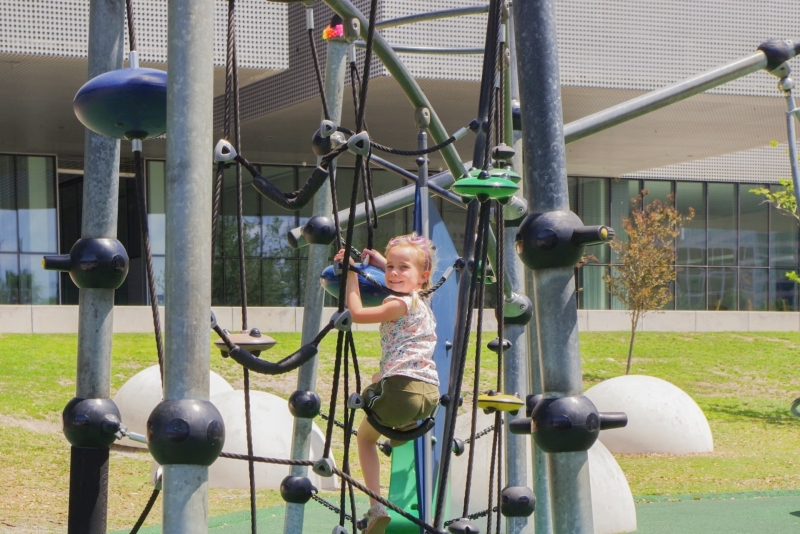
(368, 457)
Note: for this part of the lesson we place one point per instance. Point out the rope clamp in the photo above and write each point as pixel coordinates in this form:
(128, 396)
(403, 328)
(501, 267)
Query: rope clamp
(342, 320)
(224, 152)
(355, 401)
(359, 144)
(323, 467)
(327, 128)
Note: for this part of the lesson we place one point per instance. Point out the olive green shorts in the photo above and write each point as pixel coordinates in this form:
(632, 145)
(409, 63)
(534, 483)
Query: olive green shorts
(399, 401)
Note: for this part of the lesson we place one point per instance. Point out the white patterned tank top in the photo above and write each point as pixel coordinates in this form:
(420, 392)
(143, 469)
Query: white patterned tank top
(408, 343)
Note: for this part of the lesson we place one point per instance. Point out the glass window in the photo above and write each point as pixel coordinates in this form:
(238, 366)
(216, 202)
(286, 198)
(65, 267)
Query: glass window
(657, 190)
(782, 291)
(753, 229)
(156, 214)
(722, 289)
(690, 285)
(592, 292)
(159, 268)
(276, 221)
(753, 289)
(622, 194)
(783, 237)
(37, 286)
(692, 239)
(36, 204)
(721, 225)
(593, 210)
(8, 205)
(9, 279)
(281, 282)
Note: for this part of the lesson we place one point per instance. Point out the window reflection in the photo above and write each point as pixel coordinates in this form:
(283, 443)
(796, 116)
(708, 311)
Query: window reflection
(722, 289)
(753, 289)
(721, 224)
(692, 239)
(690, 283)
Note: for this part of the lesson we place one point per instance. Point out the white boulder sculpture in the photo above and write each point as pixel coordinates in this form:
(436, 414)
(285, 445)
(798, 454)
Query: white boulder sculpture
(662, 418)
(272, 426)
(613, 508)
(142, 392)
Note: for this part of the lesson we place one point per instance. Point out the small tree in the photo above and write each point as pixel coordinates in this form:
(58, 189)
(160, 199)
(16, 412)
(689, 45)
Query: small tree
(646, 260)
(785, 201)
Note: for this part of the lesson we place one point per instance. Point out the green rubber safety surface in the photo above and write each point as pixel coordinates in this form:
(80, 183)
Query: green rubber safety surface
(746, 513)
(767, 512)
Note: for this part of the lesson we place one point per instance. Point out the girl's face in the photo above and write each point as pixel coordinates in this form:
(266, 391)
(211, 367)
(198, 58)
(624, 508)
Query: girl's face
(404, 273)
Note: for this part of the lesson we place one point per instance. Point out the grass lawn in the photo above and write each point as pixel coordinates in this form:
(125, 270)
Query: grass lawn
(743, 382)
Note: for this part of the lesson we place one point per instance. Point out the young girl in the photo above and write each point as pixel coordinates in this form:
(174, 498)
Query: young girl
(407, 387)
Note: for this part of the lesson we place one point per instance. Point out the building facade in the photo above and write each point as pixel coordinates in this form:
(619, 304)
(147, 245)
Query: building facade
(707, 153)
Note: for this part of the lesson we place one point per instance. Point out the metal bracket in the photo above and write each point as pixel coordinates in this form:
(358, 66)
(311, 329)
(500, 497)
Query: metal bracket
(352, 30)
(422, 118)
(224, 152)
(516, 208)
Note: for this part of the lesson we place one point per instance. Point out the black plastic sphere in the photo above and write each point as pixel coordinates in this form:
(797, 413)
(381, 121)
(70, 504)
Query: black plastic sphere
(185, 431)
(320, 145)
(565, 424)
(90, 422)
(304, 404)
(517, 501)
(297, 490)
(319, 230)
(544, 240)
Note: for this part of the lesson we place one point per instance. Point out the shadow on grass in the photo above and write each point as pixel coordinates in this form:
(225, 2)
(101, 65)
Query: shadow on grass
(796, 514)
(733, 413)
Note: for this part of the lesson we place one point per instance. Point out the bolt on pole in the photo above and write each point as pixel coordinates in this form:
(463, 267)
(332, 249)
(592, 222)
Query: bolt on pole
(551, 290)
(188, 187)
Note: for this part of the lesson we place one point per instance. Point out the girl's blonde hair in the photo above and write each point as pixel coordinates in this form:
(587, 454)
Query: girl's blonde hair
(426, 255)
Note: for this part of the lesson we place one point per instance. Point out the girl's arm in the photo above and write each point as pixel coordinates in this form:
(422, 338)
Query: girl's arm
(388, 311)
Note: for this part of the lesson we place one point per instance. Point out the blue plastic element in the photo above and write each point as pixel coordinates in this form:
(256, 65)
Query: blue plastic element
(443, 302)
(124, 103)
(370, 294)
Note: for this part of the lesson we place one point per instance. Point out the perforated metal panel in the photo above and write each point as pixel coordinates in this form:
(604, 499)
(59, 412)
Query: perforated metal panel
(60, 28)
(764, 165)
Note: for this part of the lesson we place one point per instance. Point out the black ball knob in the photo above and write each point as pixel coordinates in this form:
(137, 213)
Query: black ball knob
(321, 146)
(91, 422)
(517, 501)
(319, 230)
(297, 490)
(304, 404)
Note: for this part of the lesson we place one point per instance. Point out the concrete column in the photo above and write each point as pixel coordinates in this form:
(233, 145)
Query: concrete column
(188, 241)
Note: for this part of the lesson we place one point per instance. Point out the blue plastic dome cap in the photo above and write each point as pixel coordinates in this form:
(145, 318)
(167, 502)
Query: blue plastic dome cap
(124, 103)
(371, 295)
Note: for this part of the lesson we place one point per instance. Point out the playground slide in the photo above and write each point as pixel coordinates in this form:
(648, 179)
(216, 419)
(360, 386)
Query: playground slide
(407, 488)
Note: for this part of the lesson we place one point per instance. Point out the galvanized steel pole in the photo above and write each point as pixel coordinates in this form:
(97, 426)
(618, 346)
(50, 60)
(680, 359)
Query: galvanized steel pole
(552, 290)
(515, 358)
(188, 187)
(318, 258)
(88, 495)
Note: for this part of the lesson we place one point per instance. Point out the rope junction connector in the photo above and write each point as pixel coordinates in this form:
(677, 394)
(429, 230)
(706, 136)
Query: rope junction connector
(355, 401)
(517, 501)
(339, 529)
(323, 467)
(328, 128)
(517, 309)
(297, 490)
(92, 263)
(224, 152)
(463, 526)
(359, 144)
(342, 320)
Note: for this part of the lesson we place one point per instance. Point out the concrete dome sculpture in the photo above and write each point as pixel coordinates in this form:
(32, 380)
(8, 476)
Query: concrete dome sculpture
(142, 392)
(613, 508)
(272, 437)
(662, 418)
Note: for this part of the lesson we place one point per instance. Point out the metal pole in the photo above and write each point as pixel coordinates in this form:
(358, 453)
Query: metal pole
(432, 15)
(636, 107)
(429, 50)
(790, 116)
(413, 92)
(188, 187)
(552, 291)
(515, 359)
(88, 495)
(318, 258)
